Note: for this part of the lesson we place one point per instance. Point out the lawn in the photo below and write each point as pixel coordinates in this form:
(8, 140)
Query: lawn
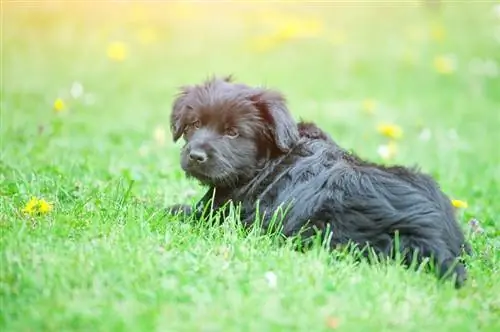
(87, 89)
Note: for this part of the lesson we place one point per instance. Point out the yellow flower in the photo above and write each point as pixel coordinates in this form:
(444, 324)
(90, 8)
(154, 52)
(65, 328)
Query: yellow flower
(299, 28)
(147, 35)
(337, 37)
(160, 135)
(30, 207)
(139, 13)
(285, 28)
(37, 206)
(369, 106)
(459, 204)
(263, 43)
(437, 32)
(444, 64)
(387, 151)
(390, 130)
(44, 206)
(59, 105)
(117, 51)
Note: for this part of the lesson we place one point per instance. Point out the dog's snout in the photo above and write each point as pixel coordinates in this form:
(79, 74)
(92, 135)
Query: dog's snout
(198, 156)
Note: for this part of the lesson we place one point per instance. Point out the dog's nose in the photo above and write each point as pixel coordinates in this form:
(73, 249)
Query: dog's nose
(198, 156)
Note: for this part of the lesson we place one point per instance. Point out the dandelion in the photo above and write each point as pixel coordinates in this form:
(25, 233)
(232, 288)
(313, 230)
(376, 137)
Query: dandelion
(444, 64)
(290, 28)
(387, 151)
(438, 32)
(459, 204)
(369, 105)
(117, 51)
(37, 206)
(263, 43)
(147, 35)
(300, 28)
(59, 105)
(139, 13)
(44, 206)
(390, 130)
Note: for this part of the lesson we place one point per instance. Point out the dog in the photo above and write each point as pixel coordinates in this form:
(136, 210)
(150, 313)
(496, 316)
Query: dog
(243, 144)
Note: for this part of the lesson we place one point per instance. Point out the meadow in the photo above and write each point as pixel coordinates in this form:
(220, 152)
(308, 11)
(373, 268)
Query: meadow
(87, 161)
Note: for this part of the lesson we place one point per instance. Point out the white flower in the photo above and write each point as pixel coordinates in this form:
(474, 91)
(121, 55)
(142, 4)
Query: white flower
(76, 90)
(483, 67)
(387, 151)
(496, 34)
(496, 10)
(425, 134)
(271, 278)
(452, 134)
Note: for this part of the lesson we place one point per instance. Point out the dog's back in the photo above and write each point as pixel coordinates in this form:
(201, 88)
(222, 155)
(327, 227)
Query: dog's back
(413, 176)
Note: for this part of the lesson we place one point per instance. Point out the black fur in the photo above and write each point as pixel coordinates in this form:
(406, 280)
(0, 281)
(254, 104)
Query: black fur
(253, 152)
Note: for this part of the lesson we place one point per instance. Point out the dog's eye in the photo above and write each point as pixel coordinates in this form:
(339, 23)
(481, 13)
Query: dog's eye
(231, 133)
(196, 124)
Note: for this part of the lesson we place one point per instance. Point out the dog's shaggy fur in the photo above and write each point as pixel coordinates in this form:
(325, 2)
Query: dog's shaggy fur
(243, 144)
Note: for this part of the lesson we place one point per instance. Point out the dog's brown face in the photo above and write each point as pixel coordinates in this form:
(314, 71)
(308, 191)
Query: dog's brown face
(229, 129)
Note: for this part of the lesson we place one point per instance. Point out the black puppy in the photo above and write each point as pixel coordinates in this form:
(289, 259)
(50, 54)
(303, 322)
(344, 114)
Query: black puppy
(243, 144)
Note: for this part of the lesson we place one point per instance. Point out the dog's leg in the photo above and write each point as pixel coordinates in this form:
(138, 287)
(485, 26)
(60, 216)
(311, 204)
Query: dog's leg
(213, 202)
(370, 207)
(185, 210)
(415, 249)
(182, 209)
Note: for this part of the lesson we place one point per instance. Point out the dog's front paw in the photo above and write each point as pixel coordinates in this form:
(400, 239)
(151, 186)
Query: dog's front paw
(179, 209)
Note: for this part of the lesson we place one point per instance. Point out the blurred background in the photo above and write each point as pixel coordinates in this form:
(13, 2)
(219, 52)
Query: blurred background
(397, 81)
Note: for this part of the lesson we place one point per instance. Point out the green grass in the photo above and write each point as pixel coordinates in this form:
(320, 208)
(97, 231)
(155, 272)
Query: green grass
(106, 260)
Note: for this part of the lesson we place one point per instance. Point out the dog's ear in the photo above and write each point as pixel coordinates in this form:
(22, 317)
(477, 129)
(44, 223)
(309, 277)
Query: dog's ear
(282, 127)
(176, 117)
(228, 78)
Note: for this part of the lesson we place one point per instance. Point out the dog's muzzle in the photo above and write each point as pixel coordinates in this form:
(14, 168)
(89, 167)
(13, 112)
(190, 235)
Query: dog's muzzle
(198, 153)
(197, 156)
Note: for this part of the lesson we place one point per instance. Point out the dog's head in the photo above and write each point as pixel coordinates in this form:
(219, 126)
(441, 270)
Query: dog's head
(228, 128)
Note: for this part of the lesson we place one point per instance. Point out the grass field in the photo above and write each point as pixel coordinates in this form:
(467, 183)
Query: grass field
(85, 142)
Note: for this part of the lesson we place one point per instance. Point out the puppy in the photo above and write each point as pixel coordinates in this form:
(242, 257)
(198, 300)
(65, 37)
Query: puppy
(243, 144)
